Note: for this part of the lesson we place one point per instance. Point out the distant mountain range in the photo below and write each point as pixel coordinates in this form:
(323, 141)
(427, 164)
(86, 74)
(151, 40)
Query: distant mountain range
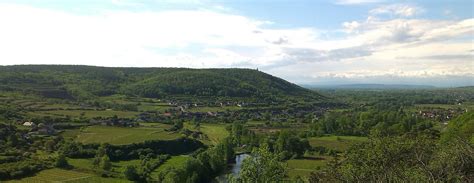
(372, 86)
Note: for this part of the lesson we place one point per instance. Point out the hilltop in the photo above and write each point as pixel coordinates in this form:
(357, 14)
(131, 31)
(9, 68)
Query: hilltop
(84, 82)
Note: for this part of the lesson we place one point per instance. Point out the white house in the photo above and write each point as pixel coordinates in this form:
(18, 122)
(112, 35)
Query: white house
(28, 123)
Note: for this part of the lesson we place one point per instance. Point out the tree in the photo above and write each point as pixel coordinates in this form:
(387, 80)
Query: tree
(290, 146)
(262, 166)
(61, 162)
(105, 163)
(131, 173)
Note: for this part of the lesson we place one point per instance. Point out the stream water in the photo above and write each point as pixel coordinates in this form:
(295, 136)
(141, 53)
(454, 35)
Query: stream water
(234, 168)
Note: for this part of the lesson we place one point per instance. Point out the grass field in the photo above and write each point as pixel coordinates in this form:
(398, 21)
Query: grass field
(215, 132)
(121, 135)
(60, 175)
(339, 143)
(175, 161)
(83, 164)
(303, 167)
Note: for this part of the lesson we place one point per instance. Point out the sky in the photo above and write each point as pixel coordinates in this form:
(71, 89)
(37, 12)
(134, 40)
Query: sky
(318, 42)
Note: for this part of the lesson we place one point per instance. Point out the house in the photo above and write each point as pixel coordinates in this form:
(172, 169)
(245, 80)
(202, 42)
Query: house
(212, 114)
(28, 123)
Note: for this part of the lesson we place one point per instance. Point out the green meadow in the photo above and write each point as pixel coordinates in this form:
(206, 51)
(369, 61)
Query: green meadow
(304, 166)
(214, 132)
(123, 135)
(175, 161)
(338, 143)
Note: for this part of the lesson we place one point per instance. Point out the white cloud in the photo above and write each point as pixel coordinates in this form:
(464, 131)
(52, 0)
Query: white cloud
(403, 10)
(385, 48)
(352, 2)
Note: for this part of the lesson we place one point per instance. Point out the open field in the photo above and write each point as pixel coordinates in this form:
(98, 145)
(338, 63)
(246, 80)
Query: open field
(339, 143)
(60, 175)
(215, 132)
(122, 135)
(82, 164)
(303, 167)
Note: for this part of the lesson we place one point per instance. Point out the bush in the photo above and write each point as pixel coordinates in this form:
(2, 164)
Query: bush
(61, 162)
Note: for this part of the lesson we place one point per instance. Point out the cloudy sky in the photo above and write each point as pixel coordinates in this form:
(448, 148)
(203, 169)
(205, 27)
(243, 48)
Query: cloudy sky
(307, 42)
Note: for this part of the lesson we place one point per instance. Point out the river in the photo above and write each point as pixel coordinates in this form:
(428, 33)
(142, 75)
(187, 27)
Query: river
(234, 168)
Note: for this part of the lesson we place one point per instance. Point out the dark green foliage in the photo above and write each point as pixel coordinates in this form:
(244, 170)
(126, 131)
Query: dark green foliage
(8, 112)
(105, 163)
(61, 162)
(171, 147)
(20, 169)
(261, 166)
(203, 166)
(16, 149)
(407, 158)
(289, 145)
(77, 150)
(131, 173)
(148, 164)
(361, 122)
(86, 82)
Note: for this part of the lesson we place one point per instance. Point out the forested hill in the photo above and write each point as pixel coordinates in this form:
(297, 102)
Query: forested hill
(83, 82)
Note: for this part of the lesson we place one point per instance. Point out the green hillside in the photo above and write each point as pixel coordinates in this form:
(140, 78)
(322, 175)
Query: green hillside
(84, 82)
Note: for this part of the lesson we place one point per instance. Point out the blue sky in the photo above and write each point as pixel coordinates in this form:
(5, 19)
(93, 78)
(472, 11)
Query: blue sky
(306, 42)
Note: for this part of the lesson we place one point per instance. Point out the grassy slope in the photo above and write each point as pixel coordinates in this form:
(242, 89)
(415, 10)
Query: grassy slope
(175, 161)
(303, 167)
(215, 132)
